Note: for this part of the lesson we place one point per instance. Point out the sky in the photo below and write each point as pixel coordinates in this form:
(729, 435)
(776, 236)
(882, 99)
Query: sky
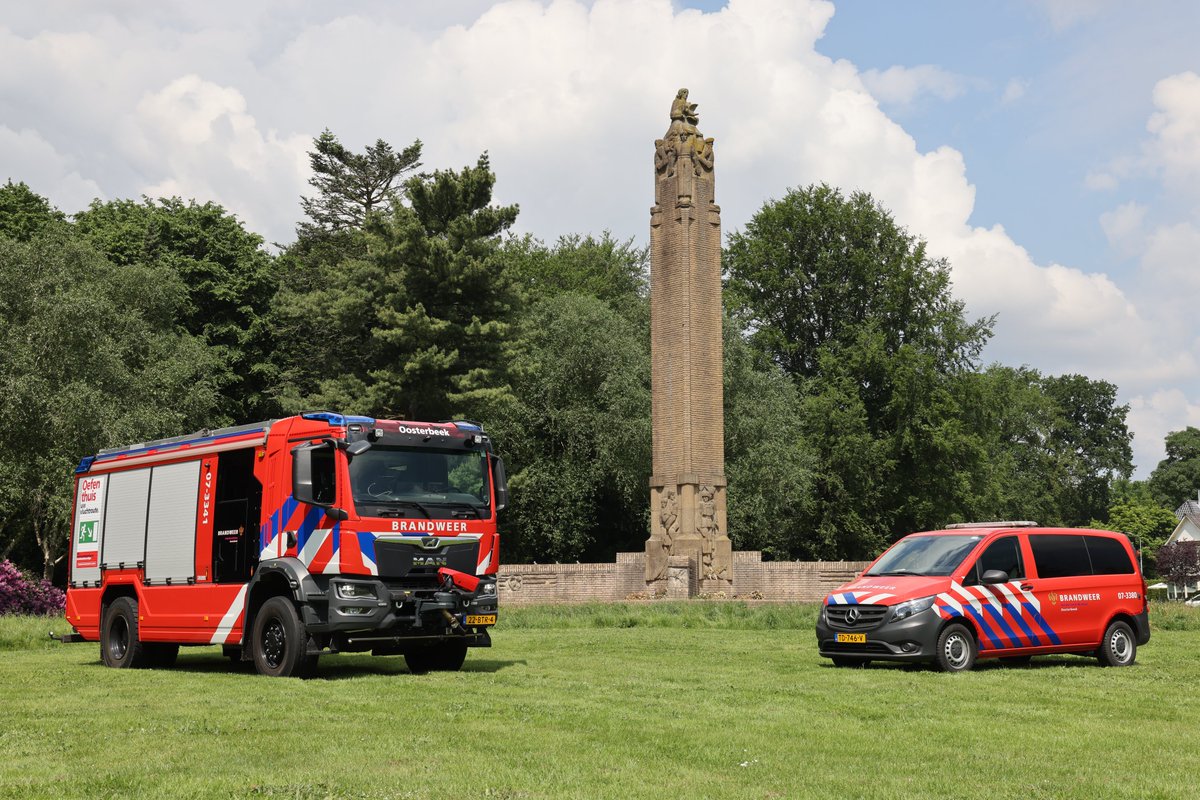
(1048, 149)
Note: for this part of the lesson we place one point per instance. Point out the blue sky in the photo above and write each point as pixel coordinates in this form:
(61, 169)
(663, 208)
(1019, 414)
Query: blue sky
(1049, 149)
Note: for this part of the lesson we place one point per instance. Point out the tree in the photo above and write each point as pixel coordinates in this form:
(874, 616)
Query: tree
(1179, 563)
(1177, 477)
(767, 461)
(849, 305)
(576, 432)
(415, 322)
(24, 214)
(88, 359)
(230, 280)
(1091, 439)
(614, 272)
(351, 186)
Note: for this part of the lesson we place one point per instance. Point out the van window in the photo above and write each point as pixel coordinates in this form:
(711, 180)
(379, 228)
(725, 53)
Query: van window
(1002, 554)
(1109, 556)
(1060, 556)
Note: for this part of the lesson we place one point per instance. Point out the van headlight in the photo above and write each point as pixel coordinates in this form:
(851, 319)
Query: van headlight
(907, 609)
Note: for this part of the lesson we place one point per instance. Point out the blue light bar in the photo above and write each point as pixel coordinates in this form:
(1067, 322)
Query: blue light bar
(338, 420)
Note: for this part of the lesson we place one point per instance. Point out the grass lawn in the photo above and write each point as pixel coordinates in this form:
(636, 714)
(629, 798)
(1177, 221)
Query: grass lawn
(658, 701)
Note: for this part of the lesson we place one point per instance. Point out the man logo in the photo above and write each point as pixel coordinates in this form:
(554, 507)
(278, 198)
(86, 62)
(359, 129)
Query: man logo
(430, 542)
(852, 616)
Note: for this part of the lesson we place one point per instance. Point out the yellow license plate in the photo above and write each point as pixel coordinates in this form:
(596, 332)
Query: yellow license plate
(852, 638)
(480, 619)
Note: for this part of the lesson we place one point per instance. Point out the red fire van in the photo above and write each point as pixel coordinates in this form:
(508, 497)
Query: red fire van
(994, 589)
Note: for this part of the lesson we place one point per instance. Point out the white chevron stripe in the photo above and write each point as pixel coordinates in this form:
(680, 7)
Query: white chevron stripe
(315, 540)
(874, 598)
(225, 626)
(987, 594)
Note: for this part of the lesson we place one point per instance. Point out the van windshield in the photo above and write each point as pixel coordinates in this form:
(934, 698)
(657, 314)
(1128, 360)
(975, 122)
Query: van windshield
(925, 555)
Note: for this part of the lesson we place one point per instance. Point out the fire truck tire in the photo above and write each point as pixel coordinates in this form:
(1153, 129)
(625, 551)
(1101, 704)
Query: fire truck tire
(441, 657)
(119, 643)
(956, 649)
(161, 655)
(279, 640)
(1119, 647)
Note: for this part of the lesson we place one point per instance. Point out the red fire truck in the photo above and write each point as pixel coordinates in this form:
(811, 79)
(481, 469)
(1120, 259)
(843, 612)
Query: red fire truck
(289, 538)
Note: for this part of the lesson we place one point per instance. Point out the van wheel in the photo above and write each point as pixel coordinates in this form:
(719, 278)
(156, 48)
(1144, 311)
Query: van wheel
(441, 657)
(119, 643)
(1119, 648)
(279, 641)
(955, 649)
(849, 661)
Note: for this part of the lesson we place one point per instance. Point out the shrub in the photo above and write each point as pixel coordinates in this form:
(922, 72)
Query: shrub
(21, 593)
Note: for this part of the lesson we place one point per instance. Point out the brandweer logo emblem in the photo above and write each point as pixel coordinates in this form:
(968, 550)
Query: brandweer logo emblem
(1053, 598)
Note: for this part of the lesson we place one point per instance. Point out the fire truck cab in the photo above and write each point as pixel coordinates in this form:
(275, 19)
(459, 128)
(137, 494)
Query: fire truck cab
(286, 539)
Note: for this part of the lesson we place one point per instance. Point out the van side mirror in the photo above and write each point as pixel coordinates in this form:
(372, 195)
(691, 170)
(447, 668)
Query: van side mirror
(501, 481)
(995, 576)
(314, 474)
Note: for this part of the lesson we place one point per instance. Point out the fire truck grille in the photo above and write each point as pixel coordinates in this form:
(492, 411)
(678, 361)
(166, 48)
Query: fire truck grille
(397, 559)
(855, 617)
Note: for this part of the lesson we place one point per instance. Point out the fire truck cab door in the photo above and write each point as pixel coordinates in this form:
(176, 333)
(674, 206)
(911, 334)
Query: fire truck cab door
(235, 517)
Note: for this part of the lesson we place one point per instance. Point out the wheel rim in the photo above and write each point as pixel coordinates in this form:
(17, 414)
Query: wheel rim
(1120, 645)
(274, 643)
(956, 650)
(118, 638)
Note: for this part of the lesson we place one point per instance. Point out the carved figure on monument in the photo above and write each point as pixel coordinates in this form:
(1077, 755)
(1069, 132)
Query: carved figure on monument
(706, 511)
(704, 156)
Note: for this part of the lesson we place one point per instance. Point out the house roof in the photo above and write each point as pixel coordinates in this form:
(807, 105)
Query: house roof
(1190, 510)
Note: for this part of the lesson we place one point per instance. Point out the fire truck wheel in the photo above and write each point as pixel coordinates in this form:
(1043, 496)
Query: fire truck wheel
(441, 657)
(119, 643)
(161, 655)
(955, 649)
(279, 640)
(1119, 648)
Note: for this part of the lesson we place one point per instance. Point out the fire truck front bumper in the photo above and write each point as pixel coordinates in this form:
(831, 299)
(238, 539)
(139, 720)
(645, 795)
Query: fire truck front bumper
(364, 605)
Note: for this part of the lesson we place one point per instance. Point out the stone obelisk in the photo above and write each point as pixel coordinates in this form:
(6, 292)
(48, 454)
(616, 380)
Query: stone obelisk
(687, 487)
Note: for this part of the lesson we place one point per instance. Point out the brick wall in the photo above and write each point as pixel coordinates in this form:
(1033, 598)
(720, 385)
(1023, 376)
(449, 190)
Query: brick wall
(782, 581)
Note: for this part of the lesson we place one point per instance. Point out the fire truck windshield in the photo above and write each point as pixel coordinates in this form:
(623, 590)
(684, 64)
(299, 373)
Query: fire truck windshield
(420, 477)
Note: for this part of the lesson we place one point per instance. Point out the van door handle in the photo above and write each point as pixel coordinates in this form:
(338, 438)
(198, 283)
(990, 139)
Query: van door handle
(1026, 587)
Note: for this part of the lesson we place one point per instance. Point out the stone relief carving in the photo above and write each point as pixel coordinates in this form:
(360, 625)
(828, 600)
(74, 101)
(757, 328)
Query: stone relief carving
(668, 518)
(706, 513)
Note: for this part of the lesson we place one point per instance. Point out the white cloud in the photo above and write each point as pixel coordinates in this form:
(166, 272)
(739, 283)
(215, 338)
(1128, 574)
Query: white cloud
(1100, 181)
(1014, 90)
(1123, 228)
(568, 97)
(901, 86)
(1175, 148)
(1153, 416)
(32, 159)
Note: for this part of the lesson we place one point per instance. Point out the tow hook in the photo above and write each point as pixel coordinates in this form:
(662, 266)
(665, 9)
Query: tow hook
(455, 625)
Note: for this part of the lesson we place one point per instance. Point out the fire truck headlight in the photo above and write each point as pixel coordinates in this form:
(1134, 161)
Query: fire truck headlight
(906, 610)
(486, 588)
(356, 591)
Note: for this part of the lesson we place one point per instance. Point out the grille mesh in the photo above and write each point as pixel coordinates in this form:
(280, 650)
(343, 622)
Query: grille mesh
(867, 617)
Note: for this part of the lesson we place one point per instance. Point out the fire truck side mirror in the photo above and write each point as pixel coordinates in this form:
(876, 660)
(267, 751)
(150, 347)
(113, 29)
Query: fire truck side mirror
(501, 481)
(313, 475)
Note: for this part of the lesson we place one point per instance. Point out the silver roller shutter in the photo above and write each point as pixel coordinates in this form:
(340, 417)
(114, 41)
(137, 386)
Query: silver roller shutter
(171, 531)
(125, 519)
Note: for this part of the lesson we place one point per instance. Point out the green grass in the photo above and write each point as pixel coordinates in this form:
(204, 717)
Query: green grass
(659, 701)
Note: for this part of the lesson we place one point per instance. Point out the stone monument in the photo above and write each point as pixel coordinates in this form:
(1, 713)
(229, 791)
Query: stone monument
(687, 487)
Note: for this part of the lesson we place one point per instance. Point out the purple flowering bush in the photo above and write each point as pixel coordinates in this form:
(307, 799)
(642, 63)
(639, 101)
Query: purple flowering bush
(23, 594)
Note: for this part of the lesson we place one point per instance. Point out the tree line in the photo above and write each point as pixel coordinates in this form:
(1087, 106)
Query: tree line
(857, 407)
